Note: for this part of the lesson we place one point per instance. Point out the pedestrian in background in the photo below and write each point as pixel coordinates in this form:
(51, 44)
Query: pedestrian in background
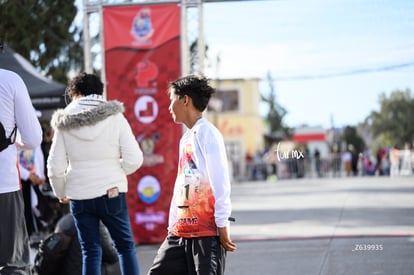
(198, 232)
(317, 157)
(347, 160)
(19, 124)
(92, 152)
(406, 168)
(32, 166)
(394, 161)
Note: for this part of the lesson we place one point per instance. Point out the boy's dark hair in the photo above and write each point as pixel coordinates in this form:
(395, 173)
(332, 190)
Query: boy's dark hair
(196, 87)
(85, 84)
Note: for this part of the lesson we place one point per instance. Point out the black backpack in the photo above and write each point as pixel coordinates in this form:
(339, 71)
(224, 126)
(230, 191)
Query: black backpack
(6, 141)
(51, 253)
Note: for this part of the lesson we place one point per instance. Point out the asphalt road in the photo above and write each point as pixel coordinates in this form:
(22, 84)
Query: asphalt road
(329, 226)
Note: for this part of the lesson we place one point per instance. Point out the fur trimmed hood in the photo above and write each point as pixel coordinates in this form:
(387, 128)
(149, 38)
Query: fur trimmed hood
(62, 119)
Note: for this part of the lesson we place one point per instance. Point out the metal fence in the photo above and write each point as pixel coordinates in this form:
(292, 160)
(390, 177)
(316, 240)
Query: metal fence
(308, 167)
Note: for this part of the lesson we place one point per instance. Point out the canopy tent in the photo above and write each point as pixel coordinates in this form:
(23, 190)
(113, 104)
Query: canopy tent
(47, 95)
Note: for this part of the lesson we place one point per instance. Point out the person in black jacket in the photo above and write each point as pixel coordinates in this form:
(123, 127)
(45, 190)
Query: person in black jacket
(72, 257)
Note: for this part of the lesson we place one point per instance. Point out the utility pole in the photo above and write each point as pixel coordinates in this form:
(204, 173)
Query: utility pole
(185, 52)
(201, 42)
(192, 30)
(89, 7)
(86, 39)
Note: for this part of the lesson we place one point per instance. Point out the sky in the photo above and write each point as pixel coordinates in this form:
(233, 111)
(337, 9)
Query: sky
(330, 59)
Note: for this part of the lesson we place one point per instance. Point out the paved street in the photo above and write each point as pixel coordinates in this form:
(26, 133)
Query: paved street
(320, 227)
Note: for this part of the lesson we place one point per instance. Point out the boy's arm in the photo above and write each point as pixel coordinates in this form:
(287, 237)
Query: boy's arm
(218, 172)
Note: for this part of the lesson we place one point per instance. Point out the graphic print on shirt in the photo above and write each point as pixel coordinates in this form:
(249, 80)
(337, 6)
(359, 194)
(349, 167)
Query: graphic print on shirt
(194, 199)
(26, 159)
(189, 182)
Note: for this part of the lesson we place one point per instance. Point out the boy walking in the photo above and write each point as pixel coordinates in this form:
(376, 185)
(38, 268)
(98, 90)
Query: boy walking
(198, 230)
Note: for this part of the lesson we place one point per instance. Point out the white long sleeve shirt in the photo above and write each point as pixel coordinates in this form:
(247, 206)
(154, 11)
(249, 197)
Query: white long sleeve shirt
(16, 109)
(201, 200)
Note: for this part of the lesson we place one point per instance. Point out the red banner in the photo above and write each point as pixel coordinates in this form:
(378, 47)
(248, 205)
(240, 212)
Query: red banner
(142, 55)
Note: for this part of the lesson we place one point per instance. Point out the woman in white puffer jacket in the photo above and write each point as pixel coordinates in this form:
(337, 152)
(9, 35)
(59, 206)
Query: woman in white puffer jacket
(92, 152)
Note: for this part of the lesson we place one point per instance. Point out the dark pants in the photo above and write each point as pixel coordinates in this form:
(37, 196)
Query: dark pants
(192, 256)
(44, 219)
(113, 213)
(14, 241)
(28, 214)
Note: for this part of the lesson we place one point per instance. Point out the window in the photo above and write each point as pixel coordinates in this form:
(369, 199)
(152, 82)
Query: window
(228, 101)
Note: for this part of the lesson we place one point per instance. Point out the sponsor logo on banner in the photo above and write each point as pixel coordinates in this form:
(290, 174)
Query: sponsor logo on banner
(149, 220)
(148, 147)
(146, 109)
(146, 77)
(141, 28)
(148, 189)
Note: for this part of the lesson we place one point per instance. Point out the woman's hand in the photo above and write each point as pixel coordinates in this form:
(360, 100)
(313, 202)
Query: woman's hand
(64, 200)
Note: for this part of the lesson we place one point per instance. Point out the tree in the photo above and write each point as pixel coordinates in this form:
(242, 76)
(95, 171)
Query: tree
(43, 32)
(350, 136)
(393, 123)
(275, 114)
(194, 56)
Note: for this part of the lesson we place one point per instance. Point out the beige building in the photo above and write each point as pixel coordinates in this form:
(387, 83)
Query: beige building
(235, 112)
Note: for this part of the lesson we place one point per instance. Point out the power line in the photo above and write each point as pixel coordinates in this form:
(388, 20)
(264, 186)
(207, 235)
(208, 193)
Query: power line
(347, 73)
